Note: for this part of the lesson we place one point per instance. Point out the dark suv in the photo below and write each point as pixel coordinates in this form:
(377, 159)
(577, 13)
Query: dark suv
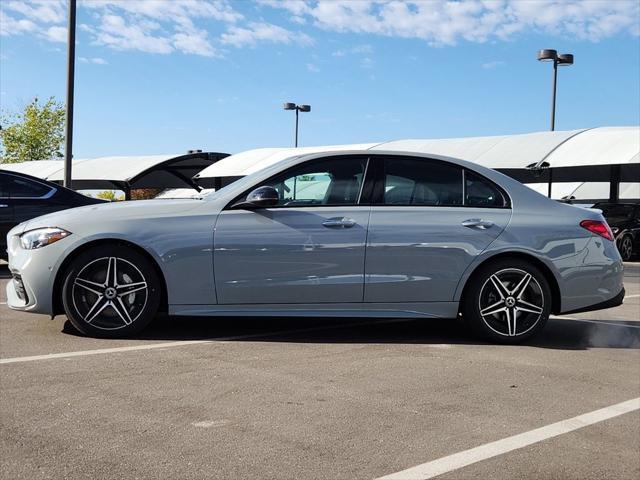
(624, 220)
(23, 197)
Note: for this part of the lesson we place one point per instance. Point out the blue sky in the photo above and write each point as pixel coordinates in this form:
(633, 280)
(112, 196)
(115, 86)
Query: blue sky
(166, 76)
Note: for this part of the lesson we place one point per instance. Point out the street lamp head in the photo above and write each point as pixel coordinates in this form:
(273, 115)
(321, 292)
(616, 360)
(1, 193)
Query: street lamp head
(304, 108)
(565, 59)
(289, 106)
(547, 55)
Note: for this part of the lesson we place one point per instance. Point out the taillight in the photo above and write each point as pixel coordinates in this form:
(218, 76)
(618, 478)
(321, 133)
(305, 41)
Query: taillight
(598, 227)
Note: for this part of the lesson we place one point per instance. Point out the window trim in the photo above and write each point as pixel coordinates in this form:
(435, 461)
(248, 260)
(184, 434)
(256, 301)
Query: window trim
(52, 190)
(362, 194)
(378, 193)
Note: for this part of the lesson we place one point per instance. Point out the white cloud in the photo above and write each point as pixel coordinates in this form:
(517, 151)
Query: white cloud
(448, 22)
(493, 64)
(94, 60)
(56, 34)
(12, 26)
(115, 32)
(358, 49)
(45, 11)
(258, 32)
(313, 68)
(366, 62)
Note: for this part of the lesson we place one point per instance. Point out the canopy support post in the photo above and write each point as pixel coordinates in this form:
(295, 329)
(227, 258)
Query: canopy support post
(614, 183)
(550, 182)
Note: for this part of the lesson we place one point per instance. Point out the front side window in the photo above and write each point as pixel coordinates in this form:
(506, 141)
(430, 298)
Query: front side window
(22, 188)
(418, 182)
(335, 181)
(479, 192)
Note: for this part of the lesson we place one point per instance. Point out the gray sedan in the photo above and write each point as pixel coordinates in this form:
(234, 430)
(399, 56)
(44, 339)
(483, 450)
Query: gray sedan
(325, 234)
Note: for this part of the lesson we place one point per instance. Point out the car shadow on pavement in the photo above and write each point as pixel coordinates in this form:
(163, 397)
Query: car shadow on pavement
(558, 334)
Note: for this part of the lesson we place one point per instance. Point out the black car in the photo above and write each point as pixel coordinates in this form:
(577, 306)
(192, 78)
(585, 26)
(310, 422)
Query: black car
(624, 220)
(23, 197)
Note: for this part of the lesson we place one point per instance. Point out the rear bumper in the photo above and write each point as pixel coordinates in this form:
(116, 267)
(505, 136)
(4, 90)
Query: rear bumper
(612, 302)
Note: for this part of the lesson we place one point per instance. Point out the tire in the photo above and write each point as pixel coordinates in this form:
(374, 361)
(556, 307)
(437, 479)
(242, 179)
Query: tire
(625, 247)
(107, 302)
(522, 293)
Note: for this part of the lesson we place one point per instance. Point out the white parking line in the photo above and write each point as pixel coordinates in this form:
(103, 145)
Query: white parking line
(153, 346)
(493, 449)
(632, 296)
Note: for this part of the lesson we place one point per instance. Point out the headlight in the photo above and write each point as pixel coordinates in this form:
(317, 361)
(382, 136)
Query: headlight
(42, 237)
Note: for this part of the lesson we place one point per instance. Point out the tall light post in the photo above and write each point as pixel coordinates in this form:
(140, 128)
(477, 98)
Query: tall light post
(297, 108)
(564, 60)
(71, 63)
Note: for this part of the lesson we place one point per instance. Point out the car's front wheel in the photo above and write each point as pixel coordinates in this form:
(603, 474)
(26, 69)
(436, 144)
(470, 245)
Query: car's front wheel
(110, 291)
(507, 301)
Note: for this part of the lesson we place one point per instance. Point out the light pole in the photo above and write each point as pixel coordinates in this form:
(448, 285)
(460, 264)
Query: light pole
(564, 60)
(71, 62)
(297, 108)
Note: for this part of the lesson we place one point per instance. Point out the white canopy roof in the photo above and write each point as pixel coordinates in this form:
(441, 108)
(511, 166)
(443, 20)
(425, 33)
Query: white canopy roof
(506, 151)
(598, 146)
(251, 161)
(145, 171)
(585, 147)
(119, 169)
(41, 168)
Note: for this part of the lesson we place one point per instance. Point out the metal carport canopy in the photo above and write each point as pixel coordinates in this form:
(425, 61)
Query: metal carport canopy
(36, 168)
(147, 171)
(250, 161)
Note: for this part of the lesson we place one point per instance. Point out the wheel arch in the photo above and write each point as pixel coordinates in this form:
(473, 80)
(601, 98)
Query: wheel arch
(59, 279)
(556, 298)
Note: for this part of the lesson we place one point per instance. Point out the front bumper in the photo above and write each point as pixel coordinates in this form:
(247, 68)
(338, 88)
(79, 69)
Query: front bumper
(34, 273)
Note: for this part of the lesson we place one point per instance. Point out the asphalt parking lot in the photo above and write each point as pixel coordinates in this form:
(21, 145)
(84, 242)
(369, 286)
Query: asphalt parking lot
(228, 398)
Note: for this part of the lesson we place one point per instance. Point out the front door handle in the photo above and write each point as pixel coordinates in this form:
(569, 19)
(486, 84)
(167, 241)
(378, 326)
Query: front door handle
(339, 222)
(477, 223)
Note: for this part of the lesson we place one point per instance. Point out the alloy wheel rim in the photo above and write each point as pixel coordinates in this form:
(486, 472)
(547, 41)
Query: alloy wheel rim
(626, 248)
(511, 302)
(109, 293)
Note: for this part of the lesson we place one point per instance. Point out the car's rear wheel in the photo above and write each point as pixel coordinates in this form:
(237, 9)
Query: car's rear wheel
(625, 247)
(110, 291)
(507, 301)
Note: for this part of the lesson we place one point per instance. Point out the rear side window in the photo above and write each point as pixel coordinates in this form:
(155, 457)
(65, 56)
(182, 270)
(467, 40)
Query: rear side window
(408, 181)
(480, 192)
(22, 188)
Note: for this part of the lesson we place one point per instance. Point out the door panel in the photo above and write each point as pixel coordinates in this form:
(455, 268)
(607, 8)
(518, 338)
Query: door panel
(291, 255)
(418, 254)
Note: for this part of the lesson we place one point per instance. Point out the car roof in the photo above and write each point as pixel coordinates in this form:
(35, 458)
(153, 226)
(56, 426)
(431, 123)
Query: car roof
(36, 179)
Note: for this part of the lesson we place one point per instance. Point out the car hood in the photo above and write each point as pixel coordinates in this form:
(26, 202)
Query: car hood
(106, 212)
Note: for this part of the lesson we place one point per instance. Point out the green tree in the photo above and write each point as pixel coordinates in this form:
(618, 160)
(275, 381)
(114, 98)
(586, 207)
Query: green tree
(36, 133)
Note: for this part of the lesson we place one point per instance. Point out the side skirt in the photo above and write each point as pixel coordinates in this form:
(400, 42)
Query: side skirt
(376, 310)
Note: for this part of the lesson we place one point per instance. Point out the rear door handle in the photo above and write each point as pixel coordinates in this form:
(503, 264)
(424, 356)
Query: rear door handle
(477, 223)
(339, 222)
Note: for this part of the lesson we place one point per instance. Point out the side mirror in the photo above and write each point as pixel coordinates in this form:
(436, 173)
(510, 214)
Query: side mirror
(261, 197)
